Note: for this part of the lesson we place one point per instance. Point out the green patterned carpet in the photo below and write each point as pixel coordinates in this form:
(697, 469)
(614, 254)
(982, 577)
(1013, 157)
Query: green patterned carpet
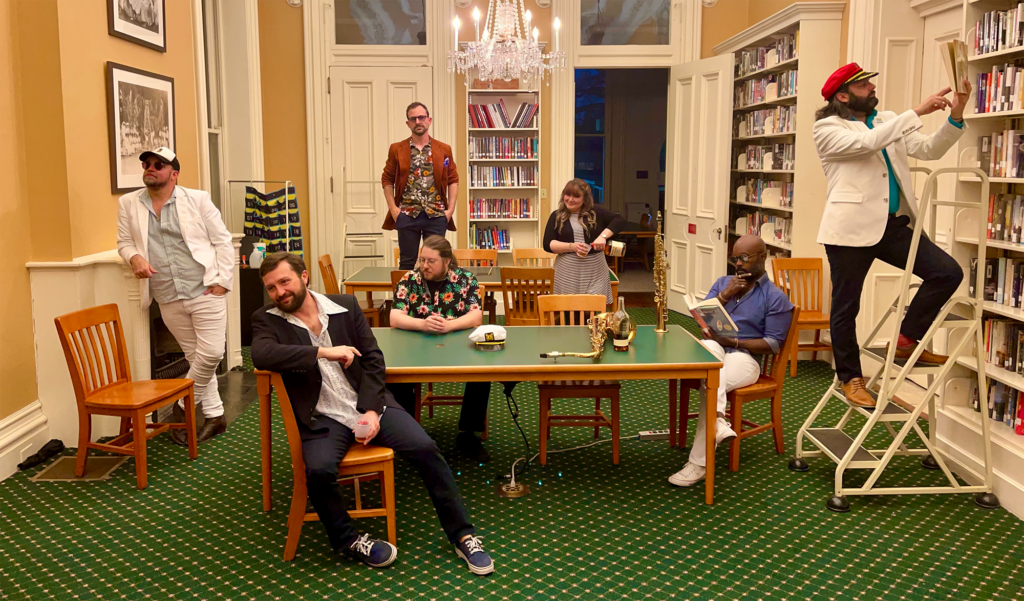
(589, 530)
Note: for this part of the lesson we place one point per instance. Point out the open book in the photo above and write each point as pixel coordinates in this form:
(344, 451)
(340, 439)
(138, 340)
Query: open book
(711, 315)
(954, 57)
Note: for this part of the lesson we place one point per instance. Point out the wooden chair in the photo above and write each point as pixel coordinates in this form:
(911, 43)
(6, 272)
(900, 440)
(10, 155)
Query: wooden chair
(532, 257)
(521, 286)
(398, 257)
(371, 312)
(361, 463)
(801, 280)
(480, 257)
(768, 386)
(575, 309)
(94, 348)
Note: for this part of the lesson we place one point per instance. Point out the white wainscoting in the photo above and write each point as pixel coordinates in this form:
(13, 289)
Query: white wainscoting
(21, 435)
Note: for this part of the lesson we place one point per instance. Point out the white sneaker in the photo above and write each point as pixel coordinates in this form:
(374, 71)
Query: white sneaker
(688, 476)
(723, 431)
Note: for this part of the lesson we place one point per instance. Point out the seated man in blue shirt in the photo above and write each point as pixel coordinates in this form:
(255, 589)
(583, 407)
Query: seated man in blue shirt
(762, 313)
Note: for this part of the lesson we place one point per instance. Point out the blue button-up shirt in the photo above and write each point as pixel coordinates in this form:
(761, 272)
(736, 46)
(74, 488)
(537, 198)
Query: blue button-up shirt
(178, 275)
(763, 312)
(894, 184)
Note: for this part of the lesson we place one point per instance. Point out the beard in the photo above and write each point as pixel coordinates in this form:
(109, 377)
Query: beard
(864, 104)
(291, 302)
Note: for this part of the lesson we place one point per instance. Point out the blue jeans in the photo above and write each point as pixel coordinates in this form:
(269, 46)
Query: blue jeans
(411, 231)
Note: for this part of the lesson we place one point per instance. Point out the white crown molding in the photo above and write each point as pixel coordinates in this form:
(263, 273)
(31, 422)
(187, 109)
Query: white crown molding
(925, 8)
(800, 11)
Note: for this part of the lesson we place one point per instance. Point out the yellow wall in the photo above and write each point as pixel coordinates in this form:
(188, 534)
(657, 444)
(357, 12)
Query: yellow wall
(729, 17)
(17, 365)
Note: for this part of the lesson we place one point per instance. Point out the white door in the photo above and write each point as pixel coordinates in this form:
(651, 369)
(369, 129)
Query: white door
(697, 176)
(367, 115)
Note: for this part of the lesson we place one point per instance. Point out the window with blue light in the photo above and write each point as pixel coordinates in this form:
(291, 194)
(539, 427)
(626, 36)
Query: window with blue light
(589, 158)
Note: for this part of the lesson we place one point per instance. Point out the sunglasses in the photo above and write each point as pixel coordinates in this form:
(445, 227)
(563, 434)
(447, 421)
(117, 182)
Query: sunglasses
(158, 165)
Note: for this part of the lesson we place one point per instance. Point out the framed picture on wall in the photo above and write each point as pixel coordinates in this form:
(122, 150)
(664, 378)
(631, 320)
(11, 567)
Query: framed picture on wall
(140, 116)
(139, 21)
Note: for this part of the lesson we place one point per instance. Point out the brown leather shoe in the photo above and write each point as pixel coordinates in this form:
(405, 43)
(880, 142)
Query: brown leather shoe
(926, 355)
(212, 427)
(857, 393)
(178, 436)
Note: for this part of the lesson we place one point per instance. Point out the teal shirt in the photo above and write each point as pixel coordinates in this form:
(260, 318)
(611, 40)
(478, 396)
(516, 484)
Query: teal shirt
(894, 184)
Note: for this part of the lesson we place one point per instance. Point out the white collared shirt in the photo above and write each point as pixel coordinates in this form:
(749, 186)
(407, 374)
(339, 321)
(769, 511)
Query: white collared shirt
(337, 397)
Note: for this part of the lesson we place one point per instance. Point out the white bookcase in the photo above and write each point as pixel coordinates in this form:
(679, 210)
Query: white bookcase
(521, 155)
(959, 425)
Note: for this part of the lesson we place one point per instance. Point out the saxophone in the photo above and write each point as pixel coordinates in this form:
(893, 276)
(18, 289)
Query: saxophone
(660, 279)
(598, 333)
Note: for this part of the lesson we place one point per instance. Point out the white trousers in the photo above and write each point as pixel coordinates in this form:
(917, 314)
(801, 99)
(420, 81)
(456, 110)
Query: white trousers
(200, 327)
(738, 370)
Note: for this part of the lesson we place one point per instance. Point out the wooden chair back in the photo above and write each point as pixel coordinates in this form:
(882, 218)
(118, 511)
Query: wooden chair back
(94, 348)
(396, 276)
(328, 276)
(532, 257)
(569, 309)
(521, 287)
(398, 257)
(801, 281)
(476, 257)
(774, 366)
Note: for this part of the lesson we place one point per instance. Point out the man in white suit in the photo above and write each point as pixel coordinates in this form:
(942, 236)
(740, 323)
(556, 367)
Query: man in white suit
(869, 208)
(175, 240)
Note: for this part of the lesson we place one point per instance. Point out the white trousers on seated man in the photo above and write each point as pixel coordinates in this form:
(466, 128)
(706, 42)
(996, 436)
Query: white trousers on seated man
(200, 326)
(738, 370)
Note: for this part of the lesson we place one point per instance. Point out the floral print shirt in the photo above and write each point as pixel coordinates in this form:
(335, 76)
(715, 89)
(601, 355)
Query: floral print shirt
(458, 295)
(420, 193)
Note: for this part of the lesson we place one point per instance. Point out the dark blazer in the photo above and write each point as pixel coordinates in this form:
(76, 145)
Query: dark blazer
(396, 173)
(605, 220)
(282, 347)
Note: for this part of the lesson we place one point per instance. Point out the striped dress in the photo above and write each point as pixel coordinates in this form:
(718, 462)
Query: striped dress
(586, 275)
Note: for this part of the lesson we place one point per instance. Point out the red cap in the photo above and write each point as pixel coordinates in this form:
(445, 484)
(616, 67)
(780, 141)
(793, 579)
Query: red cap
(845, 74)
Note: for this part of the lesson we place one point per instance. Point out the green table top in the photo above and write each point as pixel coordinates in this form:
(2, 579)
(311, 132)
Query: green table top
(651, 355)
(377, 275)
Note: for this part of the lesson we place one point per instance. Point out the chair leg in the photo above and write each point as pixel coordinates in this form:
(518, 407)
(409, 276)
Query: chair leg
(418, 409)
(736, 414)
(296, 517)
(615, 428)
(777, 422)
(139, 440)
(793, 355)
(430, 408)
(684, 416)
(817, 341)
(672, 403)
(388, 490)
(597, 407)
(126, 425)
(84, 437)
(190, 422)
(545, 409)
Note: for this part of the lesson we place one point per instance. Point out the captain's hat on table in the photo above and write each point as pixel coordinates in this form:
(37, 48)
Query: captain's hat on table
(489, 337)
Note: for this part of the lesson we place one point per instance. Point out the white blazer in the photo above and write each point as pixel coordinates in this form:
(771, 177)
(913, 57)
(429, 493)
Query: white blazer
(857, 204)
(201, 227)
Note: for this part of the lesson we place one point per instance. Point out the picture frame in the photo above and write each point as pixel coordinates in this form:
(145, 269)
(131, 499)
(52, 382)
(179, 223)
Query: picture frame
(140, 116)
(142, 22)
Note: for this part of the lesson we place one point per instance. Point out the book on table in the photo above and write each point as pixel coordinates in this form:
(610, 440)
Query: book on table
(711, 315)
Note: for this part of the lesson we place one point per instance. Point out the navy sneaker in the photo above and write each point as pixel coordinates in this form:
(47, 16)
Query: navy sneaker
(471, 549)
(374, 553)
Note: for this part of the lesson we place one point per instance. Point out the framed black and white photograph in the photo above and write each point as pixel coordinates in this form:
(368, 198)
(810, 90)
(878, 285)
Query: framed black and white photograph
(139, 21)
(140, 116)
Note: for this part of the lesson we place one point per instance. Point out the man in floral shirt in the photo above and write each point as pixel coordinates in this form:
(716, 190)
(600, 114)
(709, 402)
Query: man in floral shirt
(436, 298)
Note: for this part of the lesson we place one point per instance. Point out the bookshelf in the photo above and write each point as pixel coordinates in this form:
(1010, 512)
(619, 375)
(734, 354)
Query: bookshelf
(504, 173)
(777, 186)
(989, 120)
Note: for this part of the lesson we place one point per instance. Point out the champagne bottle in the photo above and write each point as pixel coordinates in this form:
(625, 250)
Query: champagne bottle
(622, 326)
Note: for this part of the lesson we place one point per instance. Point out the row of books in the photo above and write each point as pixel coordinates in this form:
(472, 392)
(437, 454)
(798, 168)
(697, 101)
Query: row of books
(485, 176)
(999, 30)
(1000, 154)
(1003, 281)
(780, 156)
(1000, 89)
(494, 115)
(772, 228)
(1004, 344)
(778, 120)
(763, 89)
(501, 208)
(1006, 405)
(752, 60)
(767, 192)
(1005, 217)
(503, 147)
(489, 237)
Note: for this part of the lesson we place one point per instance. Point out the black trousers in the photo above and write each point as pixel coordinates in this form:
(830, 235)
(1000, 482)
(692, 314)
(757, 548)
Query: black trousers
(411, 231)
(850, 264)
(472, 417)
(400, 432)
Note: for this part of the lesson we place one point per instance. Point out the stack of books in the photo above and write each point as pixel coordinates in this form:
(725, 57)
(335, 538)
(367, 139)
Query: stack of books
(483, 176)
(1001, 154)
(763, 89)
(752, 60)
(489, 237)
(502, 147)
(999, 30)
(495, 116)
(501, 208)
(1006, 405)
(779, 120)
(1000, 89)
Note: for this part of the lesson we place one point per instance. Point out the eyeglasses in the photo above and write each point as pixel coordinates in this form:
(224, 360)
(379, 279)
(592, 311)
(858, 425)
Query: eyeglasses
(430, 261)
(419, 119)
(743, 258)
(158, 165)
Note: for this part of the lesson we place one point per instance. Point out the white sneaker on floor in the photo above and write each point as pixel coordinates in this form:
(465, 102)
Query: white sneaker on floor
(688, 476)
(723, 431)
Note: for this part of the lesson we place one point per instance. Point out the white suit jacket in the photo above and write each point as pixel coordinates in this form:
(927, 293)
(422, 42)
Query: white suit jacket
(857, 204)
(201, 227)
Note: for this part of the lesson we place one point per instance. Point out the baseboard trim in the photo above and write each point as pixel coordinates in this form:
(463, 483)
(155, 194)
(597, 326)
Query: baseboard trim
(21, 434)
(1010, 493)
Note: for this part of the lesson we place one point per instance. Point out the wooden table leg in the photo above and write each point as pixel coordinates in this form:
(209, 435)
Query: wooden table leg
(672, 404)
(710, 415)
(263, 392)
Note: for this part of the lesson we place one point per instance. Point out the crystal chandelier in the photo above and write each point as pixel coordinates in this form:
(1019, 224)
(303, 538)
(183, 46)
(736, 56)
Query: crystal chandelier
(505, 50)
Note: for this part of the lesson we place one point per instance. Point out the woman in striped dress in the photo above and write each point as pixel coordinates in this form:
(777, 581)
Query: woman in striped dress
(577, 232)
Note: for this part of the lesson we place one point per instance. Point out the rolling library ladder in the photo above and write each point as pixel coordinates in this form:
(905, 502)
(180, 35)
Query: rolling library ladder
(849, 453)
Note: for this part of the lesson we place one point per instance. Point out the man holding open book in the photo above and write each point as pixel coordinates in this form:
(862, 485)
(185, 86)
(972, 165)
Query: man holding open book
(743, 315)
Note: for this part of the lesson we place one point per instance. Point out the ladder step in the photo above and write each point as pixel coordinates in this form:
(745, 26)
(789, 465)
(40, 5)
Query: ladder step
(835, 443)
(878, 353)
(892, 412)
